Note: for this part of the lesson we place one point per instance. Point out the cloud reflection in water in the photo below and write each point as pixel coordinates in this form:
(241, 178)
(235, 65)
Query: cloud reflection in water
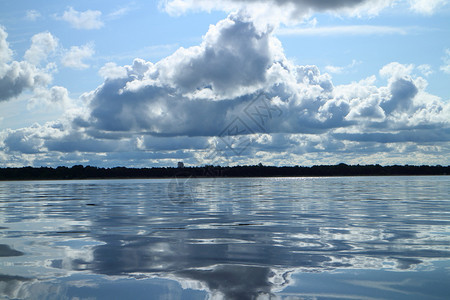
(239, 239)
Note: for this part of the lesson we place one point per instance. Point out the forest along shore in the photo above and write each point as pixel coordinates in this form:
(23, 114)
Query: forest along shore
(90, 172)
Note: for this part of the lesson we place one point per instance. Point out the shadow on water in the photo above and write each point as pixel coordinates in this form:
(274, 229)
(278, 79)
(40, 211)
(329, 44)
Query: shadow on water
(6, 250)
(233, 238)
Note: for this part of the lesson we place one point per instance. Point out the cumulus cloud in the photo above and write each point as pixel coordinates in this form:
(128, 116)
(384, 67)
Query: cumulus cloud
(42, 44)
(56, 96)
(25, 140)
(5, 51)
(112, 71)
(89, 19)
(75, 56)
(199, 91)
(225, 62)
(15, 76)
(403, 92)
(233, 62)
(395, 70)
(238, 88)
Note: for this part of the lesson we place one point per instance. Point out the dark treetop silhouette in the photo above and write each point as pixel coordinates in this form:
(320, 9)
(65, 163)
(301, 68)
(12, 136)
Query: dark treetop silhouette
(90, 172)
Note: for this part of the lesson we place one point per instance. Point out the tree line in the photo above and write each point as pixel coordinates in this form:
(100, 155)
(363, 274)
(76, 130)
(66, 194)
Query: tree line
(90, 172)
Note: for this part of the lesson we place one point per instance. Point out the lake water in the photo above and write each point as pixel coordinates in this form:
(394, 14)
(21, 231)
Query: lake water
(227, 238)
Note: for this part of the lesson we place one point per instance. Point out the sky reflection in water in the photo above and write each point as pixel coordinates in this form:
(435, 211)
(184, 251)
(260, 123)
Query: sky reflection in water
(362, 237)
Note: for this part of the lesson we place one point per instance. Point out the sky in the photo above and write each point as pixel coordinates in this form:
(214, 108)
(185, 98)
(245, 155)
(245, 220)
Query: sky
(234, 82)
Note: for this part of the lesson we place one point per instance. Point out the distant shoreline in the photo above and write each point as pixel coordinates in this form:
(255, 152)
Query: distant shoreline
(209, 171)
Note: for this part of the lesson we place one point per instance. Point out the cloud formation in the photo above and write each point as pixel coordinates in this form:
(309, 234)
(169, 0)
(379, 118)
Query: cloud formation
(198, 91)
(75, 56)
(426, 7)
(204, 98)
(294, 11)
(290, 8)
(42, 44)
(18, 76)
(340, 70)
(89, 19)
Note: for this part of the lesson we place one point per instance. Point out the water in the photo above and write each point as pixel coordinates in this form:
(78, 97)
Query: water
(236, 238)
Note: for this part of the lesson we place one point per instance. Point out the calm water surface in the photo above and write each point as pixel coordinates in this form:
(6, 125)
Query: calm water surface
(278, 238)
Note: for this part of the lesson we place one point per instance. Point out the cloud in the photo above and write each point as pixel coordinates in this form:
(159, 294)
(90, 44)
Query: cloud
(446, 59)
(75, 56)
(32, 15)
(199, 91)
(223, 62)
(295, 11)
(122, 11)
(425, 69)
(395, 70)
(56, 96)
(26, 140)
(42, 44)
(89, 19)
(235, 89)
(402, 93)
(427, 7)
(340, 70)
(5, 51)
(284, 9)
(112, 71)
(232, 63)
(15, 76)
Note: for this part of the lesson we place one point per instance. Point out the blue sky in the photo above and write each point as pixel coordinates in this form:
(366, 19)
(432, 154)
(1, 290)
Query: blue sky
(282, 82)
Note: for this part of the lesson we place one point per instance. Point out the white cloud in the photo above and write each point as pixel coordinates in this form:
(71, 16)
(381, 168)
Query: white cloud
(56, 96)
(291, 8)
(74, 58)
(5, 51)
(19, 76)
(199, 91)
(224, 62)
(344, 69)
(446, 59)
(32, 15)
(112, 71)
(427, 7)
(334, 69)
(203, 96)
(42, 44)
(294, 11)
(121, 11)
(425, 69)
(396, 70)
(89, 19)
(15, 76)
